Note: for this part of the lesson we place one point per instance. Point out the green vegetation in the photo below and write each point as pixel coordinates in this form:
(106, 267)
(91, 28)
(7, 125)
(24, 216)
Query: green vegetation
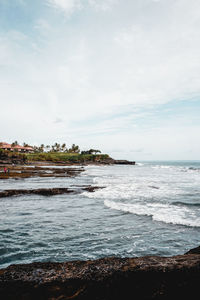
(66, 157)
(54, 153)
(57, 148)
(60, 153)
(91, 151)
(6, 154)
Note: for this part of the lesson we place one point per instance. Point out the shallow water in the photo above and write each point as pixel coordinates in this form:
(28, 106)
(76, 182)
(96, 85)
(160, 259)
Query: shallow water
(149, 209)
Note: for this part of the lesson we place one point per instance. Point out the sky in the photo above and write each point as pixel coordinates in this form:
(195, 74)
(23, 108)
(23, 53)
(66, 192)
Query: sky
(122, 76)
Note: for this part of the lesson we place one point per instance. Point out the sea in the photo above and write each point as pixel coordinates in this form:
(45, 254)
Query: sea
(151, 208)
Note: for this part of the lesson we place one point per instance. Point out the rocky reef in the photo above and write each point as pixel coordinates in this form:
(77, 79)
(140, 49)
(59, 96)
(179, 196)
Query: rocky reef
(17, 172)
(123, 162)
(48, 191)
(150, 277)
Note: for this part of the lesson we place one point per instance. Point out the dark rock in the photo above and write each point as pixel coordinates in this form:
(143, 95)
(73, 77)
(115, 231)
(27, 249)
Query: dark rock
(48, 191)
(45, 192)
(27, 171)
(110, 161)
(154, 187)
(105, 279)
(124, 162)
(194, 251)
(92, 188)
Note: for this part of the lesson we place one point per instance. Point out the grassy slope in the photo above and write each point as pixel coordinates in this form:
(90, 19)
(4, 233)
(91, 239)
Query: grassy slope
(66, 157)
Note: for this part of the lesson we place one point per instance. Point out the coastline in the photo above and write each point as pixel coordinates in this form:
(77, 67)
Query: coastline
(58, 158)
(147, 277)
(28, 169)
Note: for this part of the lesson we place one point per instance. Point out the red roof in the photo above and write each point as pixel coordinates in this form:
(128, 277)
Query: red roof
(8, 146)
(5, 145)
(17, 147)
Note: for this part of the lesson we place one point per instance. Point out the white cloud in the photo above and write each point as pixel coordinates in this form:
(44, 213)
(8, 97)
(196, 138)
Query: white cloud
(70, 6)
(43, 26)
(103, 5)
(161, 63)
(67, 6)
(82, 80)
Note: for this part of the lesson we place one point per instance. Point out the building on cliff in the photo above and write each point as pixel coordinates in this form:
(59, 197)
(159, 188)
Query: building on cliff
(17, 148)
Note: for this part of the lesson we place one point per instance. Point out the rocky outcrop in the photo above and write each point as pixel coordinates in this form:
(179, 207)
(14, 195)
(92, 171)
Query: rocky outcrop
(48, 191)
(38, 171)
(194, 251)
(141, 278)
(111, 161)
(124, 162)
(10, 161)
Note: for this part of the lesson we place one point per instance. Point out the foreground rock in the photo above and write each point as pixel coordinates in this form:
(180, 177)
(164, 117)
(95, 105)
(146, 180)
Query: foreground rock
(105, 279)
(194, 251)
(48, 191)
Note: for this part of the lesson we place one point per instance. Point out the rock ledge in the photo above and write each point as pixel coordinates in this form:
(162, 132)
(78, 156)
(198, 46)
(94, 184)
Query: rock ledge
(149, 277)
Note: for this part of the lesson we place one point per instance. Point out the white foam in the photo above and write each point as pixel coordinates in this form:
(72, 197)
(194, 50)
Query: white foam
(148, 191)
(131, 190)
(162, 167)
(159, 212)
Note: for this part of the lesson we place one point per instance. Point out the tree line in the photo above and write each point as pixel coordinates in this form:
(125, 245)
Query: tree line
(56, 147)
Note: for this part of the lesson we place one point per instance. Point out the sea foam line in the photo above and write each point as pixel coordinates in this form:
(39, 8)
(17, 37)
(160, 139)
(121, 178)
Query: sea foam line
(159, 212)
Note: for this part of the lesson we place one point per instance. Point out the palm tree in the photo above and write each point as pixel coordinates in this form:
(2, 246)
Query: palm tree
(41, 148)
(74, 149)
(15, 143)
(63, 147)
(57, 147)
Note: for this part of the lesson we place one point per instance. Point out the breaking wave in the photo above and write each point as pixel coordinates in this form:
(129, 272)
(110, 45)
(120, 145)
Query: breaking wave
(159, 212)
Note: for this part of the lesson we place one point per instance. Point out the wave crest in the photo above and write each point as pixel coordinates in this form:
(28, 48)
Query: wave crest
(159, 212)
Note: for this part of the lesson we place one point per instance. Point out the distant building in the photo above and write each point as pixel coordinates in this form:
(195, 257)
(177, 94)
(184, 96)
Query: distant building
(5, 146)
(28, 149)
(18, 148)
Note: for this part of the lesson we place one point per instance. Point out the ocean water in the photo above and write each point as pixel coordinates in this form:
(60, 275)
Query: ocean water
(152, 208)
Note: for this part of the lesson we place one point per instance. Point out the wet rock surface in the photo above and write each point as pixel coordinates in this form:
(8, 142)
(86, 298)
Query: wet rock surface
(124, 162)
(38, 171)
(141, 278)
(194, 251)
(48, 191)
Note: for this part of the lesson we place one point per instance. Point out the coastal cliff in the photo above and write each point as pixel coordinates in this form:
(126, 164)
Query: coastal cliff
(150, 277)
(58, 158)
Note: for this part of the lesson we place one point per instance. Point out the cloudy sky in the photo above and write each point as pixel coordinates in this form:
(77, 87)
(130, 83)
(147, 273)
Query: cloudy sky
(122, 76)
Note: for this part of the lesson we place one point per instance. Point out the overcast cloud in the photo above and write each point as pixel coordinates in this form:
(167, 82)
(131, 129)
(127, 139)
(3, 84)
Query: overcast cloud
(121, 76)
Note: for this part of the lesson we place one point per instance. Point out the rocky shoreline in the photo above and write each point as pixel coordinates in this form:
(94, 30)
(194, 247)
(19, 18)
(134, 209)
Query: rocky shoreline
(48, 191)
(149, 277)
(47, 169)
(108, 161)
(21, 171)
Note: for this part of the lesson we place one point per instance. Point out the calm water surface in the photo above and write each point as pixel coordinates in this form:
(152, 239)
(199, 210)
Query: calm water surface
(149, 209)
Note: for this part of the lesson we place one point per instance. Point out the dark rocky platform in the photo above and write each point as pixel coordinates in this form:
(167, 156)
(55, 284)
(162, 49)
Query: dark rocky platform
(21, 172)
(152, 277)
(48, 191)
